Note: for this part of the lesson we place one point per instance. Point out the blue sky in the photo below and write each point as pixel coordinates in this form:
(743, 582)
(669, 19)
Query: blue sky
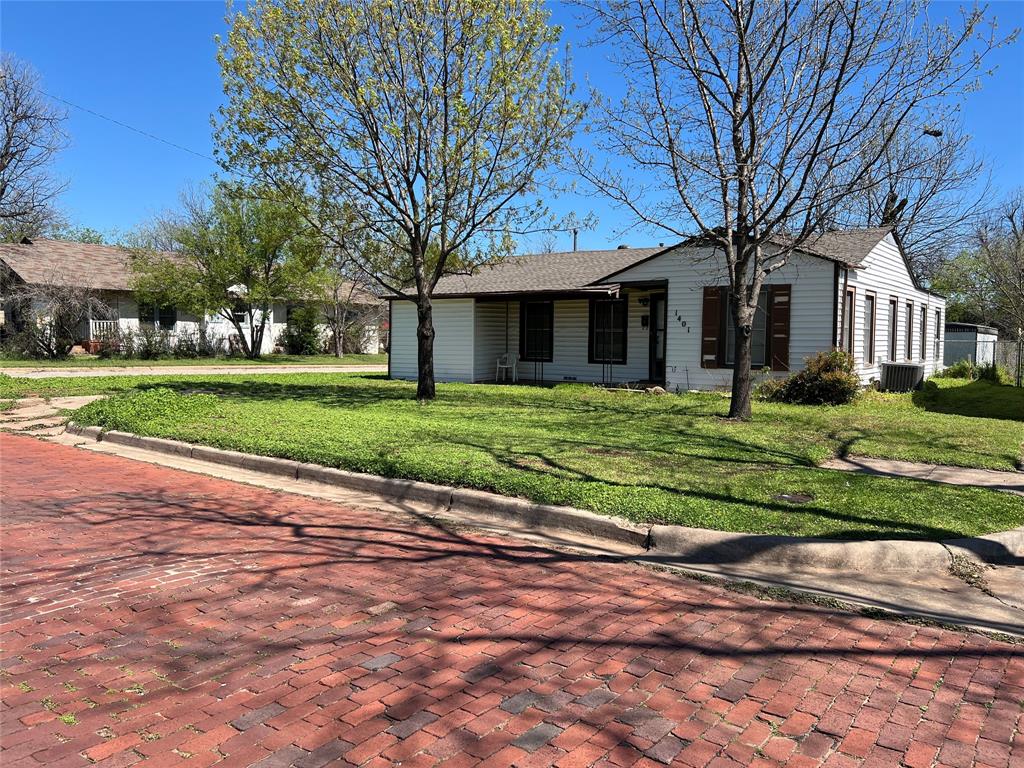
(152, 65)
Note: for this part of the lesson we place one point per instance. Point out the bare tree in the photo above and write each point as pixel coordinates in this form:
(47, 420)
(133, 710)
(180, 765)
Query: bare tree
(48, 317)
(1001, 254)
(929, 191)
(31, 138)
(755, 123)
(438, 117)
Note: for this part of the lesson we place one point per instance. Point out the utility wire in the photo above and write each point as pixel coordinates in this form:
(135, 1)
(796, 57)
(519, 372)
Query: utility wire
(147, 134)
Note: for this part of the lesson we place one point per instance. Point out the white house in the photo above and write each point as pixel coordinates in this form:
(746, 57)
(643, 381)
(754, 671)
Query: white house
(658, 315)
(105, 270)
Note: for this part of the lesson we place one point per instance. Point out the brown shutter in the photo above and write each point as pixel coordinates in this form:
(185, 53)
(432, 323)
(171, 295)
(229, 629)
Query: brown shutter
(778, 313)
(711, 318)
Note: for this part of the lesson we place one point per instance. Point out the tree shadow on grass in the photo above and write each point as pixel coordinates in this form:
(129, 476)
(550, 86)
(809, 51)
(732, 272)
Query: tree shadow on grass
(980, 399)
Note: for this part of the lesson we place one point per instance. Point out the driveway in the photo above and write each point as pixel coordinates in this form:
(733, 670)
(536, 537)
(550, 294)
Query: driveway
(178, 370)
(150, 613)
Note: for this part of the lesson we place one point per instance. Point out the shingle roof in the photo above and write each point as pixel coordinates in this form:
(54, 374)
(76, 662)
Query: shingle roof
(542, 272)
(847, 246)
(59, 262)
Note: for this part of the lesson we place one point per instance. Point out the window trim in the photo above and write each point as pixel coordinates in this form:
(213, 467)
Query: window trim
(522, 332)
(723, 329)
(872, 329)
(894, 330)
(908, 340)
(592, 358)
(848, 330)
(923, 332)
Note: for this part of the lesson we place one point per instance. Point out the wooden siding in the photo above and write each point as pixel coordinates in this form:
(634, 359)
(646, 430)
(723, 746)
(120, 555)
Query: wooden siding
(885, 274)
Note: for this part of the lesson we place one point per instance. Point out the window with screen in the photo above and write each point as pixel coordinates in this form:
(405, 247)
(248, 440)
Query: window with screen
(937, 334)
(908, 337)
(924, 333)
(758, 337)
(893, 317)
(608, 327)
(869, 329)
(846, 342)
(536, 331)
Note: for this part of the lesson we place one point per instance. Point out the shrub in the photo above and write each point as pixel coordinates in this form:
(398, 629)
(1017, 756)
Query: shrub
(828, 378)
(301, 335)
(152, 344)
(961, 369)
(993, 373)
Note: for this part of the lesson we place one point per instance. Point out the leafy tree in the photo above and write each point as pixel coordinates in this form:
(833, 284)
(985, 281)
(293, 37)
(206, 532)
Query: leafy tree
(437, 118)
(235, 253)
(755, 123)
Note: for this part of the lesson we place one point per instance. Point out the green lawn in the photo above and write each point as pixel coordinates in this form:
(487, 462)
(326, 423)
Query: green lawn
(670, 458)
(92, 361)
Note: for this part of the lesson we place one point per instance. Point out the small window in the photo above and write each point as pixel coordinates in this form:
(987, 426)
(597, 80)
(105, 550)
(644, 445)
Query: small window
(240, 312)
(758, 334)
(893, 316)
(147, 315)
(608, 326)
(167, 317)
(536, 331)
(937, 334)
(924, 333)
(869, 329)
(908, 338)
(846, 343)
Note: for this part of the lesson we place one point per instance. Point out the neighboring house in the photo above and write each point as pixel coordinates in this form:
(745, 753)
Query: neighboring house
(105, 269)
(659, 315)
(966, 341)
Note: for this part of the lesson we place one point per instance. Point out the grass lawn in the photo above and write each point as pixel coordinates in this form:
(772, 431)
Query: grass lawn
(670, 458)
(92, 361)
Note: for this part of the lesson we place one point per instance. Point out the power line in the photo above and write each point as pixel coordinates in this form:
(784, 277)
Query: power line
(147, 134)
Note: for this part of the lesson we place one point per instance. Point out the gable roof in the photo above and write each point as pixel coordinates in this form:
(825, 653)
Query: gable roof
(847, 247)
(566, 272)
(60, 262)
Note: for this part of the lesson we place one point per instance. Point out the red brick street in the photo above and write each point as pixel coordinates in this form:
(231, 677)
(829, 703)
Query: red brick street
(161, 616)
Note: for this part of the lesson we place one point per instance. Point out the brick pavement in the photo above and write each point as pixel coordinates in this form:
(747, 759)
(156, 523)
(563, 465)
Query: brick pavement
(160, 616)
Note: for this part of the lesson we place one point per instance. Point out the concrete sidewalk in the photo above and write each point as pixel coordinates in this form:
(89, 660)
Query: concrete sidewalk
(177, 370)
(1011, 482)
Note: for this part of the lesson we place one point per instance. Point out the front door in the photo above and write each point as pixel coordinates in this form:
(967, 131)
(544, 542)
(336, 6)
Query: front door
(659, 321)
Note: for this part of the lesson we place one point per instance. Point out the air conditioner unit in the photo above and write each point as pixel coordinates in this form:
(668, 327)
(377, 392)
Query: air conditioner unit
(901, 377)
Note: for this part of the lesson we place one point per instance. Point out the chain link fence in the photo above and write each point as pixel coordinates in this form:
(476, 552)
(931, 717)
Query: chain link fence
(1008, 354)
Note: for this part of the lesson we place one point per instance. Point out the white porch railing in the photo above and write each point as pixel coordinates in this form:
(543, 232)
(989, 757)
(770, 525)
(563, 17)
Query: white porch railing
(99, 329)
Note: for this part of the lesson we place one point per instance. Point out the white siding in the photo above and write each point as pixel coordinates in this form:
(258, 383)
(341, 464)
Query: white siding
(690, 270)
(570, 343)
(453, 339)
(885, 274)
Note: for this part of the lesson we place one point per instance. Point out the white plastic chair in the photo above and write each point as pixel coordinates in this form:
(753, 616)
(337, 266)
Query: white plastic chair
(507, 366)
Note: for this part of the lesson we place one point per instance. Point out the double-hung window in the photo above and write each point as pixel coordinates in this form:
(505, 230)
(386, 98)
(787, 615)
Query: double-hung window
(924, 333)
(608, 328)
(758, 334)
(537, 331)
(937, 334)
(869, 329)
(893, 318)
(908, 338)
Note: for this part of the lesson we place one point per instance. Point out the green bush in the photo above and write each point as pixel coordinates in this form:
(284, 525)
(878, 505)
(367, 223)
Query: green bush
(961, 369)
(993, 373)
(828, 378)
(301, 335)
(152, 344)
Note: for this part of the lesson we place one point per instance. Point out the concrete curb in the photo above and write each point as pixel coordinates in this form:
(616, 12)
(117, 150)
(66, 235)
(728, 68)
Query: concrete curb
(673, 544)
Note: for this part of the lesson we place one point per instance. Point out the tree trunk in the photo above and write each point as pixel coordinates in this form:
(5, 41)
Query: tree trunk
(337, 333)
(739, 405)
(425, 349)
